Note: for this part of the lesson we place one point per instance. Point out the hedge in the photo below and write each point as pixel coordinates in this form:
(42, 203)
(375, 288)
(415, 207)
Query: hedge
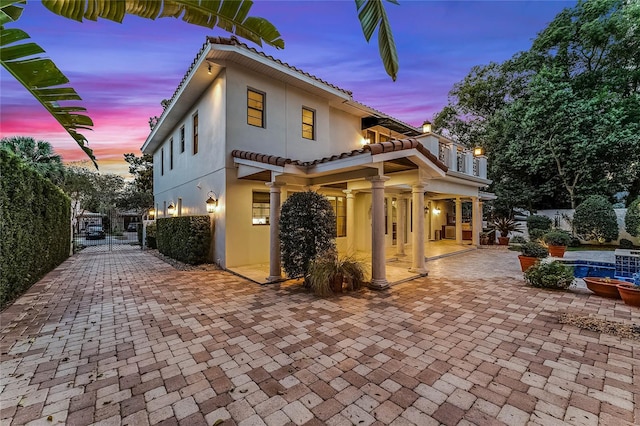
(35, 226)
(185, 238)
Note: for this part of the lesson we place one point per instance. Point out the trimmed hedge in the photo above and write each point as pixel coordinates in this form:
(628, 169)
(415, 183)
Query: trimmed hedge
(35, 226)
(184, 238)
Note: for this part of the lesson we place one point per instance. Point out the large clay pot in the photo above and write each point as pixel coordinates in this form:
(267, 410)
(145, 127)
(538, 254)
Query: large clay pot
(630, 294)
(503, 241)
(557, 251)
(527, 262)
(605, 287)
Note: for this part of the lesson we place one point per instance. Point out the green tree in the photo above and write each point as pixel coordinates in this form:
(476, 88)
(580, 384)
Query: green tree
(595, 220)
(632, 218)
(39, 155)
(49, 86)
(142, 170)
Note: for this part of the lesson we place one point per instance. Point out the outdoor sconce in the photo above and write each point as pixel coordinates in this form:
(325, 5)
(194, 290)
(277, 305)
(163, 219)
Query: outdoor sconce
(152, 213)
(365, 141)
(212, 203)
(436, 211)
(426, 126)
(171, 209)
(478, 150)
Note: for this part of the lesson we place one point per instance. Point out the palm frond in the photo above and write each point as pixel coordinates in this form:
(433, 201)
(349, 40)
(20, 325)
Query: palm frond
(229, 15)
(372, 16)
(41, 77)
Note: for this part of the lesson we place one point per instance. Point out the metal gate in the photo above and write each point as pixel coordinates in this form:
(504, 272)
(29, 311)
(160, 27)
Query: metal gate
(103, 232)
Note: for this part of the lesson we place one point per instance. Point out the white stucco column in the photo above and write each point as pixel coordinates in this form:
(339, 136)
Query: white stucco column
(476, 221)
(458, 220)
(351, 222)
(402, 214)
(378, 266)
(418, 264)
(275, 190)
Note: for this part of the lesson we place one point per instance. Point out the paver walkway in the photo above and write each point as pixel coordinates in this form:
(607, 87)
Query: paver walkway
(123, 338)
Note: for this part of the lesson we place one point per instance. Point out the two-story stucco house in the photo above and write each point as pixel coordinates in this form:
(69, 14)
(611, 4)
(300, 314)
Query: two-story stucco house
(248, 129)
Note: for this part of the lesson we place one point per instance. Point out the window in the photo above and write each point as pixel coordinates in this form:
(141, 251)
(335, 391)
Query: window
(255, 108)
(171, 154)
(195, 133)
(384, 138)
(308, 123)
(162, 162)
(339, 205)
(182, 139)
(370, 135)
(260, 207)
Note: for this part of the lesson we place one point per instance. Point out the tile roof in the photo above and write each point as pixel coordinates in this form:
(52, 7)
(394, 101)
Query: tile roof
(373, 148)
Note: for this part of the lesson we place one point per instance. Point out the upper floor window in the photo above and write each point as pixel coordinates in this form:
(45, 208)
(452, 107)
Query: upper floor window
(255, 108)
(171, 154)
(308, 123)
(182, 139)
(161, 161)
(195, 133)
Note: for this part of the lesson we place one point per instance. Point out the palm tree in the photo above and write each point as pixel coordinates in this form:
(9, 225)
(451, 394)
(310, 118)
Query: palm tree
(39, 155)
(49, 85)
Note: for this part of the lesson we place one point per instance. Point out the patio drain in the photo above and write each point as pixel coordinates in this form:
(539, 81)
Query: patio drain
(602, 326)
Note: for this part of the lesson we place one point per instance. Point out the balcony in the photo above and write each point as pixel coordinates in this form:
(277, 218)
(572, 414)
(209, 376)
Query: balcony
(456, 157)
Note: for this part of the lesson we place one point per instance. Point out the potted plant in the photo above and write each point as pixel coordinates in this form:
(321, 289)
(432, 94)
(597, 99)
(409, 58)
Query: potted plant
(630, 292)
(328, 272)
(604, 286)
(557, 241)
(531, 253)
(505, 225)
(555, 275)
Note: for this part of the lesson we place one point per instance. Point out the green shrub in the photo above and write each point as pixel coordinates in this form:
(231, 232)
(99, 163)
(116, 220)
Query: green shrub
(549, 275)
(595, 220)
(518, 239)
(539, 222)
(626, 244)
(307, 228)
(632, 218)
(575, 241)
(184, 238)
(151, 236)
(557, 237)
(534, 249)
(324, 269)
(35, 228)
(536, 234)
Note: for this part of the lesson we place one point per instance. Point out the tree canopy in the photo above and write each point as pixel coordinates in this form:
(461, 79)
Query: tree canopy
(39, 155)
(560, 121)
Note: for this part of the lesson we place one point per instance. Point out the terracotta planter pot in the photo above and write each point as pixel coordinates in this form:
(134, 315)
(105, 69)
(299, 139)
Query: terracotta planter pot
(604, 287)
(336, 285)
(503, 241)
(527, 262)
(557, 251)
(630, 294)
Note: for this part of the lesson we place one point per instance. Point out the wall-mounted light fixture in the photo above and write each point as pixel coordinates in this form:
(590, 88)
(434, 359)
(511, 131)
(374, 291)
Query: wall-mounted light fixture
(171, 209)
(426, 126)
(152, 213)
(478, 150)
(366, 141)
(212, 203)
(436, 210)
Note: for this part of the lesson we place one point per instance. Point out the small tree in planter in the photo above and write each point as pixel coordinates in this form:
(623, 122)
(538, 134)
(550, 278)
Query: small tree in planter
(557, 240)
(595, 220)
(632, 218)
(307, 228)
(505, 225)
(554, 275)
(530, 253)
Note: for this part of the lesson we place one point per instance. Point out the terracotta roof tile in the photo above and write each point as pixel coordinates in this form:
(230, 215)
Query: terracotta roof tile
(373, 148)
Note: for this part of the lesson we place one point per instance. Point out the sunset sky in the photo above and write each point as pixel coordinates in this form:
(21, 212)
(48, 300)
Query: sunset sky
(123, 71)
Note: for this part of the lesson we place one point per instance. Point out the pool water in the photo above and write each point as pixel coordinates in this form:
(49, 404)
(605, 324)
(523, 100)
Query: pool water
(587, 268)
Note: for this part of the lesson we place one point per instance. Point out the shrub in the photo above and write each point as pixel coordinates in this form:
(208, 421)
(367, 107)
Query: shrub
(536, 234)
(632, 218)
(518, 239)
(557, 238)
(505, 225)
(539, 222)
(184, 238)
(35, 228)
(151, 236)
(626, 244)
(595, 220)
(307, 228)
(549, 275)
(533, 249)
(324, 269)
(575, 241)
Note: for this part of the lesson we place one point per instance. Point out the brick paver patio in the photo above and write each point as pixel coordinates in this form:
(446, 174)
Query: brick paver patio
(123, 338)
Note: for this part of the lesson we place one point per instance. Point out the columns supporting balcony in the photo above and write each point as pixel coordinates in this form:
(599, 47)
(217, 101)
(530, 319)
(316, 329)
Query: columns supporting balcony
(458, 220)
(418, 263)
(275, 191)
(477, 221)
(378, 266)
(402, 214)
(351, 222)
